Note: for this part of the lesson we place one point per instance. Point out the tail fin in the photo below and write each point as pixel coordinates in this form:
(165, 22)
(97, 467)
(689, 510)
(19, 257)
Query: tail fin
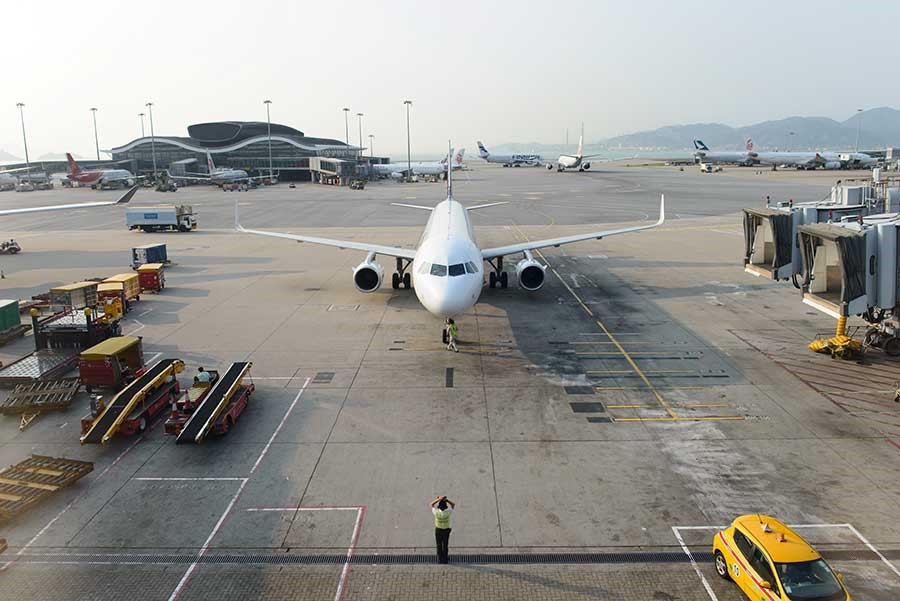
(581, 142)
(482, 151)
(209, 163)
(458, 157)
(699, 145)
(74, 169)
(446, 159)
(449, 174)
(750, 144)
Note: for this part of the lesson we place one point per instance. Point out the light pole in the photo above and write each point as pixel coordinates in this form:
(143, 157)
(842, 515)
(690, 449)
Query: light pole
(141, 115)
(346, 126)
(96, 140)
(21, 105)
(408, 104)
(858, 123)
(149, 105)
(269, 129)
(371, 146)
(360, 115)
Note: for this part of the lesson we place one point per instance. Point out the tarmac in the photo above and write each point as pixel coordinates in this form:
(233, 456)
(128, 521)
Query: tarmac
(593, 434)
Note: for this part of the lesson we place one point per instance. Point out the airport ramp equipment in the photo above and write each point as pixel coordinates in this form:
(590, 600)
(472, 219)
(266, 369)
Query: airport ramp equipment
(31, 400)
(39, 365)
(34, 479)
(215, 402)
(121, 406)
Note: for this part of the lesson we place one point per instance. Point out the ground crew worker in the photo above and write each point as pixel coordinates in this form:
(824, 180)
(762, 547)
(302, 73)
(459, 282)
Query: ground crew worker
(203, 376)
(441, 508)
(452, 332)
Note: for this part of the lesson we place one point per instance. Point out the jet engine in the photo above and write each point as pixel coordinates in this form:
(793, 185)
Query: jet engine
(550, 166)
(832, 165)
(367, 276)
(586, 166)
(530, 273)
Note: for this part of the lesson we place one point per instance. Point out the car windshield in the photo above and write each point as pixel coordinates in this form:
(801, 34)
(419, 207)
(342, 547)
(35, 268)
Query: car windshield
(458, 269)
(809, 581)
(439, 270)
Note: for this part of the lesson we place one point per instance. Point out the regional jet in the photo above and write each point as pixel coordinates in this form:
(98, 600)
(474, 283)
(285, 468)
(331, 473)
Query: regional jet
(448, 264)
(574, 161)
(510, 160)
(84, 205)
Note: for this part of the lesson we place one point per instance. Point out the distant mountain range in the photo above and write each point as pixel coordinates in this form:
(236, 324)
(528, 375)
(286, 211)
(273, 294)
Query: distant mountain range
(5, 156)
(880, 128)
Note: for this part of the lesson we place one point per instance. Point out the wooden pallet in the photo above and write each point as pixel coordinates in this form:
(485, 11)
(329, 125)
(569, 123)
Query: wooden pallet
(31, 400)
(31, 481)
(13, 333)
(2, 545)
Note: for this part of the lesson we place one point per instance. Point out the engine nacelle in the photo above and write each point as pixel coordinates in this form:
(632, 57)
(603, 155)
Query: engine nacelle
(586, 166)
(367, 276)
(530, 274)
(833, 165)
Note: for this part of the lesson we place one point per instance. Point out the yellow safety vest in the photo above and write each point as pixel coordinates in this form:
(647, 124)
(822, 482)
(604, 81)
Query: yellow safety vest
(442, 519)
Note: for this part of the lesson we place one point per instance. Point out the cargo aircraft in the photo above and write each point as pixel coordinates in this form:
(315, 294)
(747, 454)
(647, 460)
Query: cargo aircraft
(448, 264)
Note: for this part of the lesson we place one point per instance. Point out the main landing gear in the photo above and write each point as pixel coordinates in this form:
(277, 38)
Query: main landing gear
(401, 276)
(498, 276)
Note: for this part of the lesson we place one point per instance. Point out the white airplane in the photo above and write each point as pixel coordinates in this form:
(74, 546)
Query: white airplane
(746, 157)
(574, 161)
(85, 205)
(7, 181)
(448, 263)
(99, 177)
(398, 170)
(510, 160)
(222, 175)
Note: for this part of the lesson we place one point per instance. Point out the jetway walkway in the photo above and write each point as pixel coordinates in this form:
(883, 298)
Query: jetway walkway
(214, 404)
(107, 423)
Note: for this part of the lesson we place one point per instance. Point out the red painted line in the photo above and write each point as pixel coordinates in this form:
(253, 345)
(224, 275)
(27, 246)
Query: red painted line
(737, 557)
(345, 571)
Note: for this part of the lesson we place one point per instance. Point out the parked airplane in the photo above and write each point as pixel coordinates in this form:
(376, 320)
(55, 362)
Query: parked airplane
(222, 175)
(8, 181)
(398, 170)
(574, 161)
(99, 177)
(510, 160)
(704, 155)
(448, 264)
(84, 205)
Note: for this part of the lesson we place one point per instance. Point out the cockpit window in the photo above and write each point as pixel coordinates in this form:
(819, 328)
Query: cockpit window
(470, 267)
(425, 267)
(458, 269)
(439, 270)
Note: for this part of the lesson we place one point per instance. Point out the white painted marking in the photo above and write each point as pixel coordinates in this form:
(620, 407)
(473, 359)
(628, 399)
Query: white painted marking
(575, 283)
(64, 425)
(694, 565)
(189, 572)
(729, 232)
(145, 312)
(874, 550)
(71, 503)
(189, 479)
(138, 329)
(154, 358)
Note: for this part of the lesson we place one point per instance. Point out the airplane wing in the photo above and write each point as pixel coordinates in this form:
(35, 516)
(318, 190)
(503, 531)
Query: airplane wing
(500, 251)
(85, 205)
(378, 249)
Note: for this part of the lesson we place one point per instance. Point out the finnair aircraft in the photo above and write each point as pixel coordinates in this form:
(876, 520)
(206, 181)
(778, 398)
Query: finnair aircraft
(85, 205)
(510, 160)
(448, 264)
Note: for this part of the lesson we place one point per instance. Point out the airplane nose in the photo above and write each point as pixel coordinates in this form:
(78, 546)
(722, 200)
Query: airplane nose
(445, 300)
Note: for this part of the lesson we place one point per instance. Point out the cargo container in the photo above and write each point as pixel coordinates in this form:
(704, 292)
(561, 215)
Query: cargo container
(149, 253)
(77, 296)
(130, 285)
(105, 364)
(160, 219)
(152, 277)
(9, 315)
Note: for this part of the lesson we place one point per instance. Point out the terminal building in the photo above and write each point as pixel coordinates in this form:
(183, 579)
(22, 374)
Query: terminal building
(244, 145)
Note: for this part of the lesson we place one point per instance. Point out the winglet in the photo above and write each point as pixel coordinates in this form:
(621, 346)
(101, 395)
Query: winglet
(662, 209)
(127, 196)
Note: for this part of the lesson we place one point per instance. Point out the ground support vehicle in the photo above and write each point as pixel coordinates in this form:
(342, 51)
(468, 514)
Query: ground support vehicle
(33, 480)
(10, 248)
(152, 277)
(111, 363)
(191, 398)
(148, 253)
(131, 410)
(32, 399)
(218, 409)
(168, 218)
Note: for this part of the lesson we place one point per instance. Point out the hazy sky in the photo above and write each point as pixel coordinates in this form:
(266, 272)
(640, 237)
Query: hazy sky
(496, 71)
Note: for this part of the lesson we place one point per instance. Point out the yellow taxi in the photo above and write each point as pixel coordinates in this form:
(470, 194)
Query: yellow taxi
(771, 562)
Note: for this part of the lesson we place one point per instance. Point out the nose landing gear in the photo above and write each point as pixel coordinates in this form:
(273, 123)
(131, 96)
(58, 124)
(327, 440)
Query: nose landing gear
(401, 276)
(498, 276)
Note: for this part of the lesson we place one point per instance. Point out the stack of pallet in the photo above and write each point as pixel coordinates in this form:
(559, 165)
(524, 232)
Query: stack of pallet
(31, 400)
(31, 481)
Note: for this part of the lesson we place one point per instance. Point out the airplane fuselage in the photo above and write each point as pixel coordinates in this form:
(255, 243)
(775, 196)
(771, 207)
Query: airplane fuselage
(102, 176)
(448, 266)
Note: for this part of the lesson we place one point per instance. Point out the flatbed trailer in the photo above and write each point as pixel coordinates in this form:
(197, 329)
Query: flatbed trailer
(32, 399)
(131, 409)
(220, 407)
(39, 365)
(33, 480)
